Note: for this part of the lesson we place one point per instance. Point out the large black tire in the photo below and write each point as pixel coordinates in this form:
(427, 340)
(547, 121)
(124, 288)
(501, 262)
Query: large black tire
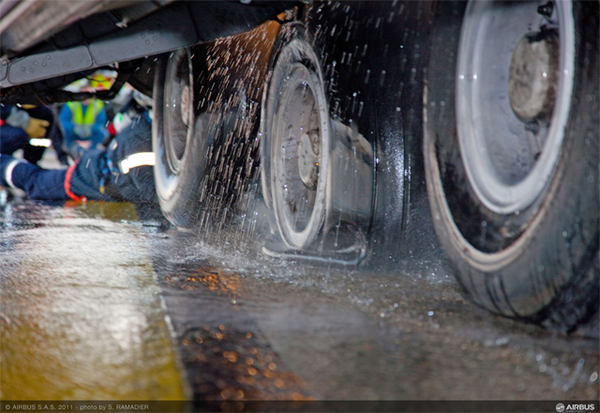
(533, 258)
(177, 139)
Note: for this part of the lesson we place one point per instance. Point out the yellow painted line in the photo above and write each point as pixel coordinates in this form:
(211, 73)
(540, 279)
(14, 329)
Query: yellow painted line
(81, 316)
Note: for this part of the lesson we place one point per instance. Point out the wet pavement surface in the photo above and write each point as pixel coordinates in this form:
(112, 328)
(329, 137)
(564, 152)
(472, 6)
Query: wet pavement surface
(98, 305)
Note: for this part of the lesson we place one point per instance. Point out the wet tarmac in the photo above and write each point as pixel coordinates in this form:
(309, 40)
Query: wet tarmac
(98, 305)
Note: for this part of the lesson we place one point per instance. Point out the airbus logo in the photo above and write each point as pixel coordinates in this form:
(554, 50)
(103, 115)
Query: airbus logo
(560, 407)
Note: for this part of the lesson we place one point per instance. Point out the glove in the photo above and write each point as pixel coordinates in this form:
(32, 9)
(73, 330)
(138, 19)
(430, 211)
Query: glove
(37, 128)
(76, 151)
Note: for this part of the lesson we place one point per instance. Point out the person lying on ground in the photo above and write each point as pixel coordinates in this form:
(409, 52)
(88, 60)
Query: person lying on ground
(122, 172)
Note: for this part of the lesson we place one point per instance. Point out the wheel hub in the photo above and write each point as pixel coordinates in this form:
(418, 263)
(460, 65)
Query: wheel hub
(513, 93)
(185, 104)
(533, 75)
(308, 160)
(179, 108)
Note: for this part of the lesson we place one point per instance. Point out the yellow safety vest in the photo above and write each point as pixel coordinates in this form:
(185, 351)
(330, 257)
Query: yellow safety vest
(91, 112)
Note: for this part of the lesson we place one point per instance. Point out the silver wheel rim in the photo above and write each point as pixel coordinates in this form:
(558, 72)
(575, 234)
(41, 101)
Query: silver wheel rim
(177, 128)
(178, 108)
(510, 149)
(300, 148)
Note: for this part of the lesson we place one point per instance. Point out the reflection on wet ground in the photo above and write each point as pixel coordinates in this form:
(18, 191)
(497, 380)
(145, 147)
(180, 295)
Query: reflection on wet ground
(81, 315)
(85, 291)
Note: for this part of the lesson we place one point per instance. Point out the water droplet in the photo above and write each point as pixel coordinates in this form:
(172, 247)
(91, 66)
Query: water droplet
(502, 341)
(382, 78)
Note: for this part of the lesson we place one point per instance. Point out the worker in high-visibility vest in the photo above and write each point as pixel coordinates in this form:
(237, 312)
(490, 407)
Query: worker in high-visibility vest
(84, 124)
